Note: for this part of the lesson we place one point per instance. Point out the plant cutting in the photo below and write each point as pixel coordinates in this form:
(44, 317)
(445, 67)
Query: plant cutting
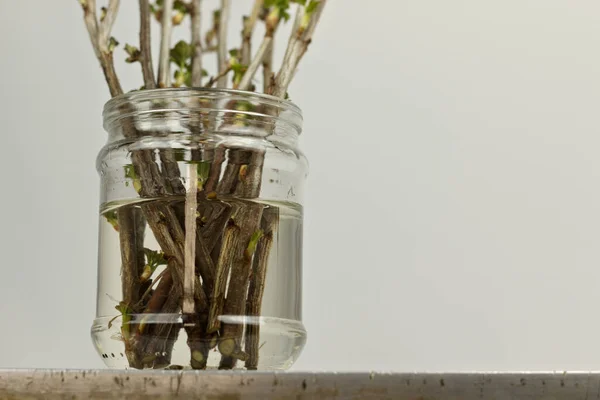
(201, 185)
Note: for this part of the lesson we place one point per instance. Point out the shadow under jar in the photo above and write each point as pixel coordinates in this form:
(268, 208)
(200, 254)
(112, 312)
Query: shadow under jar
(200, 251)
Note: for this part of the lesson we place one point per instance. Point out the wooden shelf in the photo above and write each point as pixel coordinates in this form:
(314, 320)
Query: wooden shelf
(130, 385)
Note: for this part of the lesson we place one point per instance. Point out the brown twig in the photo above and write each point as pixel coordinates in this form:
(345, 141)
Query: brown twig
(267, 68)
(108, 67)
(204, 263)
(222, 43)
(150, 289)
(256, 62)
(249, 182)
(105, 26)
(215, 224)
(249, 23)
(215, 169)
(257, 286)
(215, 79)
(145, 46)
(132, 253)
(297, 51)
(247, 217)
(162, 336)
(91, 23)
(293, 36)
(165, 44)
(226, 258)
(101, 47)
(196, 44)
(158, 298)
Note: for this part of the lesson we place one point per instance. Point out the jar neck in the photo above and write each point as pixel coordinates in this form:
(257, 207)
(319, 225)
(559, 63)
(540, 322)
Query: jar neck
(164, 112)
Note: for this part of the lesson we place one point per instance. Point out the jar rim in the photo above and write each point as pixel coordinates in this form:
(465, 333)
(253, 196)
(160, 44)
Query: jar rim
(140, 103)
(148, 94)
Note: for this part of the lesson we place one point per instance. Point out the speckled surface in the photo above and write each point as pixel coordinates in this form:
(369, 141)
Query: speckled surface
(110, 384)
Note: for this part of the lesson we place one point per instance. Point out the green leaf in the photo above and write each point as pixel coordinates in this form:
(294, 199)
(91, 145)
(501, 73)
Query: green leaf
(277, 3)
(203, 168)
(253, 243)
(278, 10)
(130, 174)
(126, 312)
(112, 43)
(188, 78)
(244, 105)
(133, 52)
(312, 6)
(129, 171)
(123, 308)
(234, 53)
(180, 6)
(111, 218)
(154, 258)
(182, 77)
(239, 69)
(181, 53)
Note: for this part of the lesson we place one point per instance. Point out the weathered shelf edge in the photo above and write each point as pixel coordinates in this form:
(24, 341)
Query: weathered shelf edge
(113, 384)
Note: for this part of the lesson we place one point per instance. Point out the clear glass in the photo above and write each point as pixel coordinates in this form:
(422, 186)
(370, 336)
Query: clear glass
(200, 251)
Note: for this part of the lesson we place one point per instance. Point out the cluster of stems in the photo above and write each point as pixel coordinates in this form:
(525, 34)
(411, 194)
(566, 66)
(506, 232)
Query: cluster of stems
(213, 253)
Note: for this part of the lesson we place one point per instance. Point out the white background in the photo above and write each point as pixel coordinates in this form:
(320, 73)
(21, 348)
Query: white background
(453, 206)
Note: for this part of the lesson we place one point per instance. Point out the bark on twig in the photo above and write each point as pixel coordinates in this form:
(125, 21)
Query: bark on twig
(267, 67)
(222, 42)
(231, 238)
(293, 33)
(229, 180)
(196, 44)
(101, 47)
(257, 286)
(256, 62)
(291, 43)
(145, 46)
(158, 298)
(249, 23)
(195, 327)
(247, 217)
(162, 336)
(214, 79)
(105, 26)
(108, 67)
(272, 23)
(249, 182)
(297, 51)
(216, 223)
(91, 23)
(204, 263)
(165, 44)
(215, 169)
(131, 239)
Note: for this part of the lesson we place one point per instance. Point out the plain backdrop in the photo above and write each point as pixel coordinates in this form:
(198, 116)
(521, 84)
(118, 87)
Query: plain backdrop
(453, 205)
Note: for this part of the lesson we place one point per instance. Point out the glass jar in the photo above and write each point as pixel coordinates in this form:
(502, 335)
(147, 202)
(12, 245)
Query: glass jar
(200, 251)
